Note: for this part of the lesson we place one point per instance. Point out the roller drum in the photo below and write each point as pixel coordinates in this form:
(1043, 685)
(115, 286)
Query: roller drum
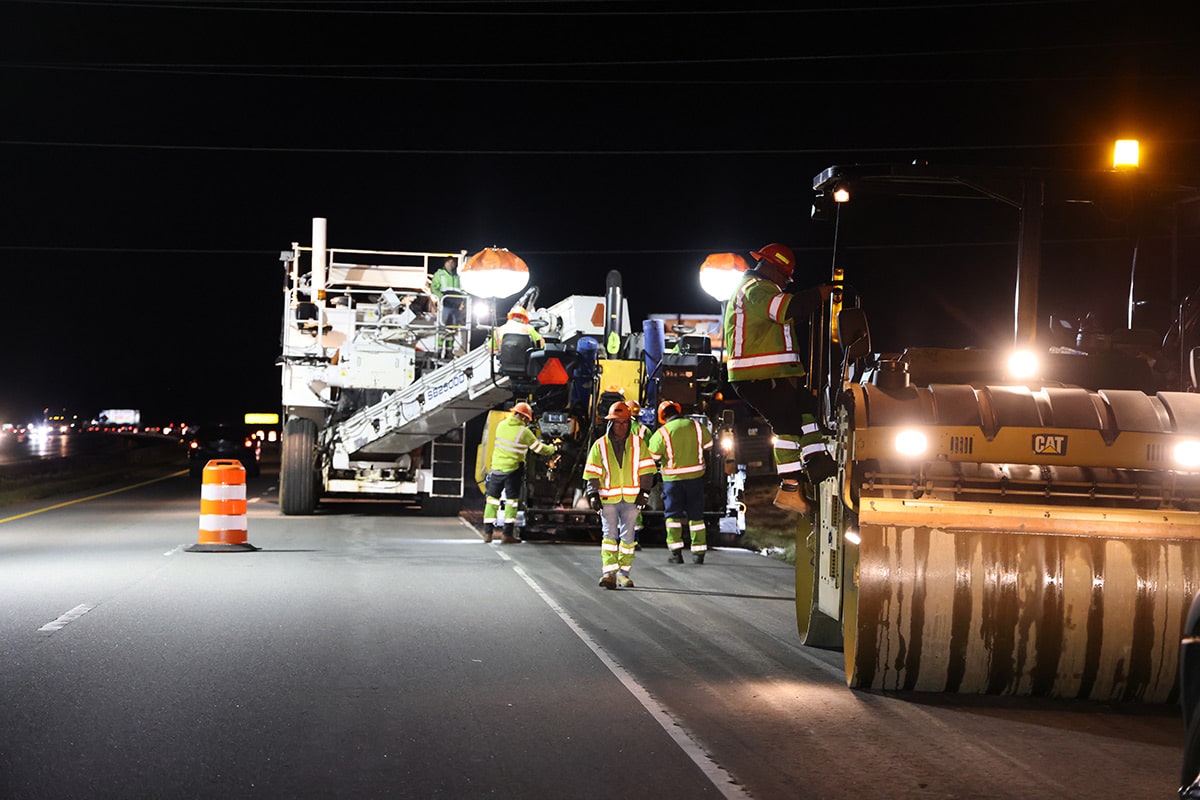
(1010, 612)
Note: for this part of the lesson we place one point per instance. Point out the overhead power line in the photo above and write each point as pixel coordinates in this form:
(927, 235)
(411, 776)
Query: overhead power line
(221, 71)
(436, 151)
(479, 8)
(273, 254)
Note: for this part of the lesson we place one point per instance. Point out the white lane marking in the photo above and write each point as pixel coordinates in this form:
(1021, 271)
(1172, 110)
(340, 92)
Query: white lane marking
(67, 618)
(178, 549)
(719, 778)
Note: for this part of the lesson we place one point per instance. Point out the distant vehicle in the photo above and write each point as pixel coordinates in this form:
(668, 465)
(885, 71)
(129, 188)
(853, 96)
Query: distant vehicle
(222, 441)
(120, 420)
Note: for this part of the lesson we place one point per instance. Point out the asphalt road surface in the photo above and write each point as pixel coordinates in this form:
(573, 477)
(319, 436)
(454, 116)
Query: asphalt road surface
(370, 652)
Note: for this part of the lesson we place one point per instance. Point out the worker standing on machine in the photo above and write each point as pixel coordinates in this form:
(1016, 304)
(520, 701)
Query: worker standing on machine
(506, 471)
(679, 446)
(517, 322)
(764, 367)
(618, 474)
(446, 287)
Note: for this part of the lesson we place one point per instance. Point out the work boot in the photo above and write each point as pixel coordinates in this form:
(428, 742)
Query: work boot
(624, 581)
(789, 498)
(676, 557)
(608, 581)
(488, 532)
(819, 467)
(698, 558)
(507, 537)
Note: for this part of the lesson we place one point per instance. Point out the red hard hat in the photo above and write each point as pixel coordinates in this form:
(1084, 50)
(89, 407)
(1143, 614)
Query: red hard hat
(778, 254)
(524, 409)
(664, 405)
(618, 412)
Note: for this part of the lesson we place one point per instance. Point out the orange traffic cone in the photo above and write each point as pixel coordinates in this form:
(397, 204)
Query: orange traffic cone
(223, 509)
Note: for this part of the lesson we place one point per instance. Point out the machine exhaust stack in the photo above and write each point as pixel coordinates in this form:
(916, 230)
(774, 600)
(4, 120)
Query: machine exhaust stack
(612, 313)
(320, 260)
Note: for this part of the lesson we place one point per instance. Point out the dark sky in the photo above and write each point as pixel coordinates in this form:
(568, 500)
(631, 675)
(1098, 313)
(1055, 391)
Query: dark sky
(157, 156)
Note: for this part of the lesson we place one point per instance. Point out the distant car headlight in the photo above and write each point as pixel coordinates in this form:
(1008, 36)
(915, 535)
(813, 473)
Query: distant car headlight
(1187, 454)
(911, 442)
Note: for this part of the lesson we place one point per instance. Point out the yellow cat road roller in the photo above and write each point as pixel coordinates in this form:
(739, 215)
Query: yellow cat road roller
(1031, 533)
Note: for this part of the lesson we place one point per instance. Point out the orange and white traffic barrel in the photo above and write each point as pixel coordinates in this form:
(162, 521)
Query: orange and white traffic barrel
(222, 509)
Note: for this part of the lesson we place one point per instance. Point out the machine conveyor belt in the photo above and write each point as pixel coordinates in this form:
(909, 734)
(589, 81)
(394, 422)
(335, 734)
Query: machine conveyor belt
(437, 402)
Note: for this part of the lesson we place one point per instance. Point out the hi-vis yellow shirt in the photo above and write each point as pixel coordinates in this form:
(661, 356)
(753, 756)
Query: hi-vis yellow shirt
(619, 481)
(679, 447)
(513, 440)
(759, 340)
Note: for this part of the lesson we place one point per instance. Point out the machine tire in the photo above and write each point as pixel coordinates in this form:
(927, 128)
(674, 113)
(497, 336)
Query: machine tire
(297, 469)
(1191, 753)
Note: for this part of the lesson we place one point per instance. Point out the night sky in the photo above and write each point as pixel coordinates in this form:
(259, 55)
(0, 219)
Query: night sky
(156, 157)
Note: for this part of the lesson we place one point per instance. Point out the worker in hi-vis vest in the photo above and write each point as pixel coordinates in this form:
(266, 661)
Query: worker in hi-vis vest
(506, 471)
(763, 363)
(679, 447)
(618, 473)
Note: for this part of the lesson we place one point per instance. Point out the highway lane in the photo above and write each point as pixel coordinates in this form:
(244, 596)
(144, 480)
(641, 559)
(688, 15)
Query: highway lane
(368, 652)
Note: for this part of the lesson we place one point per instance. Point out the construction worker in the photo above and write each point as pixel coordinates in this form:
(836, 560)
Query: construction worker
(517, 322)
(763, 362)
(618, 474)
(506, 471)
(679, 446)
(447, 288)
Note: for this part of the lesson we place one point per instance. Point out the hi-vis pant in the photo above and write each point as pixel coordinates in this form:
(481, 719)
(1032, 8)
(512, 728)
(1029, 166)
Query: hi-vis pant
(619, 539)
(684, 500)
(791, 411)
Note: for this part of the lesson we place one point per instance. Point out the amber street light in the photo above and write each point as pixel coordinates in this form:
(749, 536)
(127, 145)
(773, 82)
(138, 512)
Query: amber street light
(1125, 154)
(493, 272)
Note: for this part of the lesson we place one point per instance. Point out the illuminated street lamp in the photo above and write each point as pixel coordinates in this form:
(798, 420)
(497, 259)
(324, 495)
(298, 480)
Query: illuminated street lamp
(1125, 154)
(720, 274)
(493, 272)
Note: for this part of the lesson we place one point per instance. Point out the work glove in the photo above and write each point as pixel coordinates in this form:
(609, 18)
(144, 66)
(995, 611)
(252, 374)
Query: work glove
(643, 499)
(593, 498)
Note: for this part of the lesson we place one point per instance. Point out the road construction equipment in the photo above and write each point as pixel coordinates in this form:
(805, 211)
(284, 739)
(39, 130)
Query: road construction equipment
(376, 390)
(1001, 535)
(590, 360)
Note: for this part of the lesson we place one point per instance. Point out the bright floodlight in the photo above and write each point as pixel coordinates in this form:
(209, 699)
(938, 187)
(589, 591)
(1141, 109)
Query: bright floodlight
(1187, 454)
(493, 272)
(841, 194)
(911, 442)
(1023, 364)
(720, 274)
(1125, 154)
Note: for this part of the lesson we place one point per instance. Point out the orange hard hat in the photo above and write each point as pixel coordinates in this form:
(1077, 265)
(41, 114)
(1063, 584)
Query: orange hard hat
(778, 254)
(618, 412)
(524, 409)
(634, 406)
(519, 312)
(662, 410)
